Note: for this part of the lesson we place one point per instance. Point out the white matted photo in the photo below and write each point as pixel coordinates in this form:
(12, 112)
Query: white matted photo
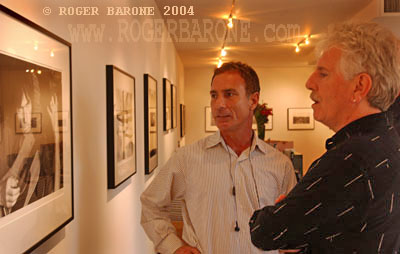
(300, 119)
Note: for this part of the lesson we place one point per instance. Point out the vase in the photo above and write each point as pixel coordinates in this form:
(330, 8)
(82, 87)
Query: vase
(261, 130)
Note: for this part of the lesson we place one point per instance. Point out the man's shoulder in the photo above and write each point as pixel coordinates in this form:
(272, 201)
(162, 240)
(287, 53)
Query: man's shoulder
(271, 153)
(197, 146)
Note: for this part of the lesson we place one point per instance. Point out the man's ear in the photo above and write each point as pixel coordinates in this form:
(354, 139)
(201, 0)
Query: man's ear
(254, 98)
(362, 87)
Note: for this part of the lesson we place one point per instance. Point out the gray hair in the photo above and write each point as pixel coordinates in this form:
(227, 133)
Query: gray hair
(367, 48)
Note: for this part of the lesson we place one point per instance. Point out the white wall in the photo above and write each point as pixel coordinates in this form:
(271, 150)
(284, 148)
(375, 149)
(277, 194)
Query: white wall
(281, 88)
(106, 221)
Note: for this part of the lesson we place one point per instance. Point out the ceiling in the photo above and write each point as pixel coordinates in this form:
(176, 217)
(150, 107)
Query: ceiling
(264, 35)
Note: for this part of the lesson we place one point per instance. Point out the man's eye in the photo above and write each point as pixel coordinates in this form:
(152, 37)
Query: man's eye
(229, 94)
(323, 74)
(213, 96)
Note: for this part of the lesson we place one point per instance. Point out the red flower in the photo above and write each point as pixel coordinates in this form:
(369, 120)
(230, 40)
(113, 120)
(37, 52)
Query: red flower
(261, 113)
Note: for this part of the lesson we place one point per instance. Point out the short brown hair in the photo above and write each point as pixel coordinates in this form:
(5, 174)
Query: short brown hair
(245, 71)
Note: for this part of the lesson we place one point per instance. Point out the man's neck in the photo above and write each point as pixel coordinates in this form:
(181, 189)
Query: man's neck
(357, 114)
(238, 143)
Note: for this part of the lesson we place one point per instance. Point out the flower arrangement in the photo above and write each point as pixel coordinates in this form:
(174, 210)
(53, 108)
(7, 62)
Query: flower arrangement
(261, 114)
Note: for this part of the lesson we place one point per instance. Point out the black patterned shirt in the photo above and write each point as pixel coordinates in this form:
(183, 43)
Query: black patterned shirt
(395, 110)
(349, 200)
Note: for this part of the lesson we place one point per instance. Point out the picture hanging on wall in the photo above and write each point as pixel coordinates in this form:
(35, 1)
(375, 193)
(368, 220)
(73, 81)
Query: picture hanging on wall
(167, 104)
(210, 122)
(183, 119)
(35, 86)
(121, 138)
(300, 119)
(28, 123)
(174, 107)
(150, 123)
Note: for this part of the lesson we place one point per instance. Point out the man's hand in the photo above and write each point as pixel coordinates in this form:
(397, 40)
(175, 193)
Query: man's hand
(279, 199)
(9, 192)
(187, 250)
(289, 251)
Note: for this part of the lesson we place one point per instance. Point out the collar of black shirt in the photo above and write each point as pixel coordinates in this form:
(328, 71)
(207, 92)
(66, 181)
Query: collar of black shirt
(376, 123)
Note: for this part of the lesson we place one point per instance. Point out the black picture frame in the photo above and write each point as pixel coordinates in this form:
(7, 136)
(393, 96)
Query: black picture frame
(150, 123)
(167, 104)
(41, 78)
(174, 106)
(121, 126)
(183, 119)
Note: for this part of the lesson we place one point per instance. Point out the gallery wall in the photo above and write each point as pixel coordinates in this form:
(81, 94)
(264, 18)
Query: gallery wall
(281, 88)
(107, 221)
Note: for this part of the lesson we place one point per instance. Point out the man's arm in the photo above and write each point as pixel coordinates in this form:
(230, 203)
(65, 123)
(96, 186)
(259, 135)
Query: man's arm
(313, 208)
(168, 185)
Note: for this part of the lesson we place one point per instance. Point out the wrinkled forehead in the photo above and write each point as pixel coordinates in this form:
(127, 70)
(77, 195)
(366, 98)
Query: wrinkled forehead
(330, 58)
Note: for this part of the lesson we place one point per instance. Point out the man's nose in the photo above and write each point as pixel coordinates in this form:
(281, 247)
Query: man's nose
(220, 102)
(310, 83)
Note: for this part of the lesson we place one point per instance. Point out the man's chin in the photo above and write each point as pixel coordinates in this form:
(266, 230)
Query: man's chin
(223, 127)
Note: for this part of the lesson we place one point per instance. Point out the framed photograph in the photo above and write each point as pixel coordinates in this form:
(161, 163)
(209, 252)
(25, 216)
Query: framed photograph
(121, 138)
(174, 107)
(28, 123)
(150, 124)
(35, 86)
(167, 104)
(300, 119)
(183, 119)
(210, 123)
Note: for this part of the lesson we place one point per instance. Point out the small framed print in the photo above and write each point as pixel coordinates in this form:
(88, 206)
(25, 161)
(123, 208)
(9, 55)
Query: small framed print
(300, 119)
(121, 138)
(28, 123)
(167, 104)
(150, 124)
(210, 122)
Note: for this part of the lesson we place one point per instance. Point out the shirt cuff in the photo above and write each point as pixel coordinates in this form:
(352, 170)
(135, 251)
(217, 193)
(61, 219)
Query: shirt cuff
(170, 244)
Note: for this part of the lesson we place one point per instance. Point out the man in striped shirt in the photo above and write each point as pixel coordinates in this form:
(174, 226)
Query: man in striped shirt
(349, 200)
(221, 179)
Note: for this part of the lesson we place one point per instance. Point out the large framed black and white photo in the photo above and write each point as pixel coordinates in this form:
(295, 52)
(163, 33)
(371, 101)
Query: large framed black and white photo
(150, 124)
(121, 138)
(35, 156)
(174, 107)
(183, 119)
(167, 104)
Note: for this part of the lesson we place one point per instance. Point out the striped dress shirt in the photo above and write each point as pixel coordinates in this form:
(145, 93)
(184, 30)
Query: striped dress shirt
(204, 175)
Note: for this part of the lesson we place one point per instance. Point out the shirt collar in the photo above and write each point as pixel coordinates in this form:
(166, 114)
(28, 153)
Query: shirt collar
(216, 139)
(375, 122)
